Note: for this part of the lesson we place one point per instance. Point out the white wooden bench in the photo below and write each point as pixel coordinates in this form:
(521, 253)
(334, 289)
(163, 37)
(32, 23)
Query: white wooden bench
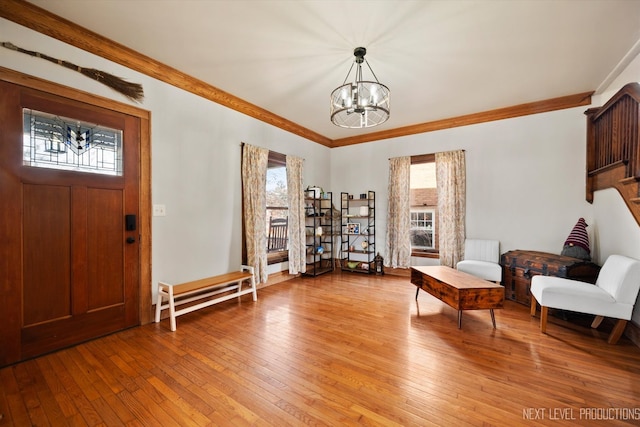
(175, 294)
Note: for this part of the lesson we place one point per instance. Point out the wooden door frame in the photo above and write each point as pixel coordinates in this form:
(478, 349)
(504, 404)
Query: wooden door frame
(144, 201)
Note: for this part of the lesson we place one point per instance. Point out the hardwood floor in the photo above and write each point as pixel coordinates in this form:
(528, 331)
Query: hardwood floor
(341, 349)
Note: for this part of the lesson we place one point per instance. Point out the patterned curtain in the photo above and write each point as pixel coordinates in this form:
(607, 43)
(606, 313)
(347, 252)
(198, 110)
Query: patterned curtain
(295, 195)
(451, 178)
(399, 214)
(254, 188)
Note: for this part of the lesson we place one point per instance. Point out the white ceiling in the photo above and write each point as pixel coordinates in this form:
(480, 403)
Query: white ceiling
(440, 59)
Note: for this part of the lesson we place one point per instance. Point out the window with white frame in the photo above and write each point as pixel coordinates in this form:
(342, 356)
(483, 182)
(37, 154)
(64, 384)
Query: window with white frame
(423, 229)
(424, 205)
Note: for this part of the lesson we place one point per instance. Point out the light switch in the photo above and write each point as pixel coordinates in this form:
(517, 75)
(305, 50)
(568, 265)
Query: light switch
(159, 210)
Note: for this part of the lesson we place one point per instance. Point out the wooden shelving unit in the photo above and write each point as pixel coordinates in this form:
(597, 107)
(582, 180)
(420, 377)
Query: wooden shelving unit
(358, 232)
(319, 232)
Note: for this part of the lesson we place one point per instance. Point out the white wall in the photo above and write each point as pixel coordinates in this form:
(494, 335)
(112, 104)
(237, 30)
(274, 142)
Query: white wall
(525, 176)
(196, 174)
(195, 158)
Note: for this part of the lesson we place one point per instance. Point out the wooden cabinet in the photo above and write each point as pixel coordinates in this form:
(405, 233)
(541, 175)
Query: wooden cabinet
(358, 232)
(319, 232)
(518, 267)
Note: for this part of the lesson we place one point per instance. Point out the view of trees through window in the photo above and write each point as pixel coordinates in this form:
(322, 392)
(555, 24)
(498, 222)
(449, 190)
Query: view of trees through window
(277, 211)
(277, 192)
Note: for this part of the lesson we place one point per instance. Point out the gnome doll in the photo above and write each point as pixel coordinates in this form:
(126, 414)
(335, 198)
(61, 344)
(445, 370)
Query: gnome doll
(577, 244)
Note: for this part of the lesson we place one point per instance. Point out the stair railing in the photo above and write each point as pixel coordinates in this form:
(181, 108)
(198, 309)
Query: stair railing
(613, 147)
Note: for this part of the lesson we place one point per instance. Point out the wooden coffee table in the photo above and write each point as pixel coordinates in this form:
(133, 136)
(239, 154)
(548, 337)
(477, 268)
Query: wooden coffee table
(460, 290)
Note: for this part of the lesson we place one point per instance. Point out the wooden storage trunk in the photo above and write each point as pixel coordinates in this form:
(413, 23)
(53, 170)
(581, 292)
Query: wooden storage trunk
(518, 267)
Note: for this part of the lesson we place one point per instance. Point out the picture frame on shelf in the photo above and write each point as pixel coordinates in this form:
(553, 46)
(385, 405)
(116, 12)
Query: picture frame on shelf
(353, 228)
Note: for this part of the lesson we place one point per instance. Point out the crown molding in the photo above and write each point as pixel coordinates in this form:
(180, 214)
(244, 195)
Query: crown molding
(553, 104)
(42, 21)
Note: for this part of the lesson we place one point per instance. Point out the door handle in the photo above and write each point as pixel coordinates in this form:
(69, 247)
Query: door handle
(131, 240)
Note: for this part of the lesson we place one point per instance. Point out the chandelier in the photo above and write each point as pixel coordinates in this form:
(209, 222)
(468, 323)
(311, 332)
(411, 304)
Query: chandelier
(363, 103)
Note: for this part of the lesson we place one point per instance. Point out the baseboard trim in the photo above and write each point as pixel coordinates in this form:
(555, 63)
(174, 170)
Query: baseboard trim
(275, 278)
(403, 272)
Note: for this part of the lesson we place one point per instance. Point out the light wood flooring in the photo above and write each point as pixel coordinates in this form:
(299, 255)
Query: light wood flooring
(340, 349)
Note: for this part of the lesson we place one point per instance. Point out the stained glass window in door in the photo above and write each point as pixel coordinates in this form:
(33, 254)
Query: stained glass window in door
(55, 142)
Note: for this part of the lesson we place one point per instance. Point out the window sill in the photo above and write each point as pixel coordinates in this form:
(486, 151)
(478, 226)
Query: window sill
(277, 257)
(425, 254)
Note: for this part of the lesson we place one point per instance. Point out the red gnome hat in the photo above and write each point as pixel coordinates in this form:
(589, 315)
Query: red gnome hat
(579, 236)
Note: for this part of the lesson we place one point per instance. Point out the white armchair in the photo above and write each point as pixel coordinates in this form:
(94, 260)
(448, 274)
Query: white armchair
(482, 259)
(613, 295)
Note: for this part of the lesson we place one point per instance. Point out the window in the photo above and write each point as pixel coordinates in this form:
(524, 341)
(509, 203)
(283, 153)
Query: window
(277, 209)
(56, 142)
(424, 206)
(422, 229)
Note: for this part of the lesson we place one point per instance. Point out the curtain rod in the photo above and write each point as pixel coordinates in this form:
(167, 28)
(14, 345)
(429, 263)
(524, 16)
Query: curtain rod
(415, 155)
(242, 144)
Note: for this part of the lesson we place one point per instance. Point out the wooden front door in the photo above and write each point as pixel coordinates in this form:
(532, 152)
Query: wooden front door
(69, 260)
